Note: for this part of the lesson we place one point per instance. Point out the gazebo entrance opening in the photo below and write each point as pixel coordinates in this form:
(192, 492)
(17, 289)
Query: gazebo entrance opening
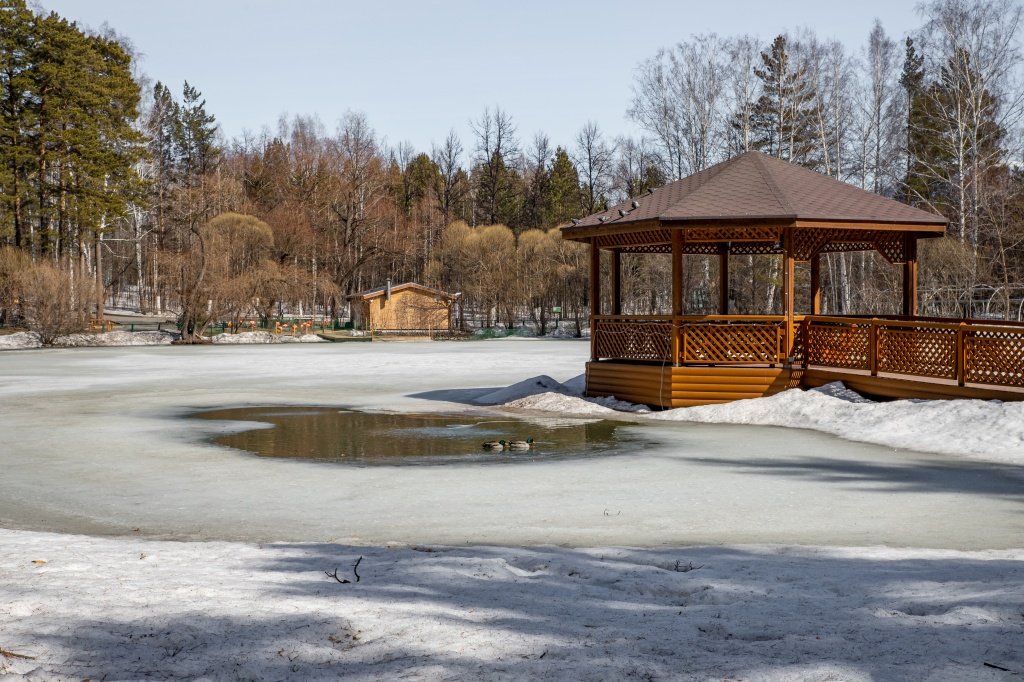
(754, 204)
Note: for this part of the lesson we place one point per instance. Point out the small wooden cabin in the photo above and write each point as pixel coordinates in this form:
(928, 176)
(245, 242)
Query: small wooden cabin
(755, 204)
(407, 307)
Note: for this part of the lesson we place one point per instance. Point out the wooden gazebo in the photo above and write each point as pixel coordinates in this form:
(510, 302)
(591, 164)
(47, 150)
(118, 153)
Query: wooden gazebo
(756, 204)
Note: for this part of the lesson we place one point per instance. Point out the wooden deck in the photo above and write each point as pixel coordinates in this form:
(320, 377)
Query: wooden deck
(681, 361)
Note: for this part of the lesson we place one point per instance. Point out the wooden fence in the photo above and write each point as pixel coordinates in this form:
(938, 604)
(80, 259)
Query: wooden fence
(969, 351)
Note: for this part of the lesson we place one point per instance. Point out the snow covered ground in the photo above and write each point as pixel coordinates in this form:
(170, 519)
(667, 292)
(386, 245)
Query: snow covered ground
(31, 340)
(773, 553)
(115, 609)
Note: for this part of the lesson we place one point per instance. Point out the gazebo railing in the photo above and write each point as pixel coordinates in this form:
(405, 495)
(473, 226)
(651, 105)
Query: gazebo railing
(696, 340)
(971, 351)
(966, 352)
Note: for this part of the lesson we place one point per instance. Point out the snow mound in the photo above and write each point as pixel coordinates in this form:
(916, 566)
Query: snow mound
(989, 429)
(574, 405)
(561, 403)
(263, 337)
(525, 388)
(20, 341)
(118, 338)
(838, 389)
(577, 385)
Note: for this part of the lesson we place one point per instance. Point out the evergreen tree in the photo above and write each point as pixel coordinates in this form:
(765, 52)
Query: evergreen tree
(913, 84)
(781, 120)
(16, 31)
(197, 136)
(562, 198)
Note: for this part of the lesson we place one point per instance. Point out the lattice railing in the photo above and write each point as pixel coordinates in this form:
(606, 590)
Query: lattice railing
(994, 356)
(725, 344)
(633, 339)
(704, 340)
(837, 344)
(926, 352)
(966, 352)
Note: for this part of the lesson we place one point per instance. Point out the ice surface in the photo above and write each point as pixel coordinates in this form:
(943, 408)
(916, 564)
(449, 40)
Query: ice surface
(93, 442)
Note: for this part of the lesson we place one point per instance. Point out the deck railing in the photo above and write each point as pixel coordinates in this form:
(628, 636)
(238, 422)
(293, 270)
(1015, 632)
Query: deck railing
(683, 339)
(970, 351)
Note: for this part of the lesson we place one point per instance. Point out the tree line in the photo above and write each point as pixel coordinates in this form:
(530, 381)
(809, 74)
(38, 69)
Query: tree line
(120, 192)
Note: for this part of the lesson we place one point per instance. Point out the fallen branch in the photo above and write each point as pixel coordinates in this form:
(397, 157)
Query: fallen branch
(346, 581)
(999, 667)
(680, 567)
(11, 654)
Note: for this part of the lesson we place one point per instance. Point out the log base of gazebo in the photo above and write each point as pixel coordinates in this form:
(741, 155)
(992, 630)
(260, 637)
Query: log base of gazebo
(666, 386)
(669, 387)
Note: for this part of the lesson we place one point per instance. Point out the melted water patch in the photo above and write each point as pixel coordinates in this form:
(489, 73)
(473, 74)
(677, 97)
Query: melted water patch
(362, 438)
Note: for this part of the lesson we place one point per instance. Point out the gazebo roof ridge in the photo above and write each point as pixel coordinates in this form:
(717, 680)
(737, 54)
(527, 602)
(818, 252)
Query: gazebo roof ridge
(753, 186)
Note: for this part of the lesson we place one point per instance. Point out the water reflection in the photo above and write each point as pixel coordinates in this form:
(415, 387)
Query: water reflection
(350, 436)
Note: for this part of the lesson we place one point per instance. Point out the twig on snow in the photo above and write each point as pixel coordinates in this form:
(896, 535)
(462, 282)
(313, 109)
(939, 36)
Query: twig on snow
(11, 654)
(680, 567)
(999, 667)
(346, 581)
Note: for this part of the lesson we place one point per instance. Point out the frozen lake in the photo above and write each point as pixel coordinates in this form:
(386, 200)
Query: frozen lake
(95, 441)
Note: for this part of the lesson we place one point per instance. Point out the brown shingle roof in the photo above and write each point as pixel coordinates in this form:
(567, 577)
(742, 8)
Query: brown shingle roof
(380, 291)
(753, 186)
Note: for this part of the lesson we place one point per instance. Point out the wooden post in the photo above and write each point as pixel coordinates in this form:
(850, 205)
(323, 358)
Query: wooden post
(677, 292)
(723, 279)
(910, 276)
(805, 326)
(595, 295)
(677, 271)
(961, 354)
(816, 284)
(788, 275)
(595, 279)
(873, 347)
(616, 282)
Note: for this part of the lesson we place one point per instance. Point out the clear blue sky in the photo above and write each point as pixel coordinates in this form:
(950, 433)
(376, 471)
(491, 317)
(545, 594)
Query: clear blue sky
(417, 68)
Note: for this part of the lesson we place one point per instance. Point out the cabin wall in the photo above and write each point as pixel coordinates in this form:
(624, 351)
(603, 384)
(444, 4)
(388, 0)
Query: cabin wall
(408, 310)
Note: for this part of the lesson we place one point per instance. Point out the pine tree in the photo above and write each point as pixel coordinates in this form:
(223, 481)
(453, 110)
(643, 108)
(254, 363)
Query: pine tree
(197, 136)
(562, 198)
(913, 84)
(16, 30)
(781, 120)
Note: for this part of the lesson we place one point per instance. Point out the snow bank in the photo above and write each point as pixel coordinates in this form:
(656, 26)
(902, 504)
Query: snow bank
(989, 429)
(544, 394)
(118, 338)
(522, 389)
(20, 341)
(575, 405)
(264, 337)
(76, 607)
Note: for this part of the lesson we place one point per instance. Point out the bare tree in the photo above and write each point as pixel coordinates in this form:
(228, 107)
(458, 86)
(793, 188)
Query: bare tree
(593, 160)
(678, 98)
(636, 168)
(743, 90)
(449, 190)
